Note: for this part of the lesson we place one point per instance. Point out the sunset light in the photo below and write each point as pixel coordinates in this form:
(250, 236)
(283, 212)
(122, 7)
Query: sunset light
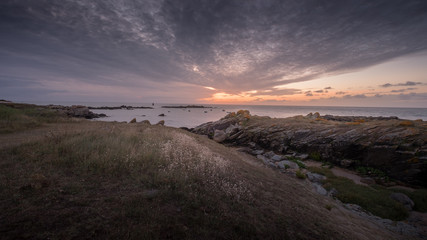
(213, 119)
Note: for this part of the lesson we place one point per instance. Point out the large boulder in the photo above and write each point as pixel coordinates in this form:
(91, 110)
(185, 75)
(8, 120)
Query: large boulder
(146, 122)
(315, 177)
(319, 189)
(287, 164)
(219, 136)
(403, 199)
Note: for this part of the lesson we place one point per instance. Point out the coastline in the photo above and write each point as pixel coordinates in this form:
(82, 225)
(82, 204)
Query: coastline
(78, 140)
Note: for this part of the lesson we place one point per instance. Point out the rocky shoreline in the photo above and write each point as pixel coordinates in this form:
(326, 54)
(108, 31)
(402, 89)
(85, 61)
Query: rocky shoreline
(120, 107)
(390, 149)
(77, 111)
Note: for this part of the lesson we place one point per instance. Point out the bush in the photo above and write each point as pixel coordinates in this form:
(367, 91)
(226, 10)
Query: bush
(315, 156)
(300, 174)
(373, 199)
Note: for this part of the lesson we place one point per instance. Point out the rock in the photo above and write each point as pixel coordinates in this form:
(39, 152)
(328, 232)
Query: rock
(367, 180)
(269, 154)
(377, 142)
(232, 129)
(303, 156)
(77, 111)
(133, 120)
(276, 158)
(319, 189)
(146, 122)
(266, 161)
(219, 136)
(314, 177)
(284, 163)
(162, 115)
(316, 115)
(244, 149)
(161, 123)
(403, 199)
(346, 162)
(332, 193)
(258, 152)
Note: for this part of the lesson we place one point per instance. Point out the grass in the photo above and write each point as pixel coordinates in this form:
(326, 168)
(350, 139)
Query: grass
(419, 196)
(300, 174)
(164, 178)
(102, 180)
(297, 161)
(14, 119)
(141, 182)
(374, 199)
(316, 156)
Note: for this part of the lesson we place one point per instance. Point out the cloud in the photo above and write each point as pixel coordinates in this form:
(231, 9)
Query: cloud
(276, 92)
(408, 83)
(340, 93)
(318, 91)
(398, 91)
(222, 44)
(327, 88)
(355, 96)
(308, 94)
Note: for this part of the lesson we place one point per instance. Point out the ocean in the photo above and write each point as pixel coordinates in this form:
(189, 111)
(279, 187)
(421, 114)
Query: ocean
(192, 117)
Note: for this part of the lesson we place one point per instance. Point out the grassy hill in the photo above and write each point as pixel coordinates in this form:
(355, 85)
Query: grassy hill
(97, 180)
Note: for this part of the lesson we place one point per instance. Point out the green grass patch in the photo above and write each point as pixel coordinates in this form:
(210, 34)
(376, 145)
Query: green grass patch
(297, 161)
(316, 156)
(374, 199)
(25, 117)
(419, 196)
(300, 174)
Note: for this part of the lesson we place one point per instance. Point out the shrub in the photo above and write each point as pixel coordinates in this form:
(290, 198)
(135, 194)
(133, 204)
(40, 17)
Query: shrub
(373, 199)
(300, 174)
(315, 156)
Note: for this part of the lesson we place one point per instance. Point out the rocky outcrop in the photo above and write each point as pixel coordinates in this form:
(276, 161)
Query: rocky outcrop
(77, 111)
(396, 147)
(120, 107)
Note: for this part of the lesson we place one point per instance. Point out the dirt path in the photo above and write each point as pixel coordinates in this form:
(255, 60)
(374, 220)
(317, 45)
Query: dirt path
(340, 172)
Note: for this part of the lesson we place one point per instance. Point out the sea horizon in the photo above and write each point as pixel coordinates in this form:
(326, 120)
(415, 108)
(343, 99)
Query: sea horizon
(192, 117)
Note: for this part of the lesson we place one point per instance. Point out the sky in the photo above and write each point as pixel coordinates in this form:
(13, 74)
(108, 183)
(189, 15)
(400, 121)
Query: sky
(287, 52)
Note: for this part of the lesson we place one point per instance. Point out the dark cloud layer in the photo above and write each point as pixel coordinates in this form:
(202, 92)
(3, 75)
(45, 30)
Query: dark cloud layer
(408, 83)
(234, 45)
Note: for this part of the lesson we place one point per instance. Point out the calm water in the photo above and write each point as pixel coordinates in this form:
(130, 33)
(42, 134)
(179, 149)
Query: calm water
(191, 117)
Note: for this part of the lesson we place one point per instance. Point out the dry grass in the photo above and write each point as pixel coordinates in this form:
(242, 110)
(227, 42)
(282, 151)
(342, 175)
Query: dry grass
(17, 117)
